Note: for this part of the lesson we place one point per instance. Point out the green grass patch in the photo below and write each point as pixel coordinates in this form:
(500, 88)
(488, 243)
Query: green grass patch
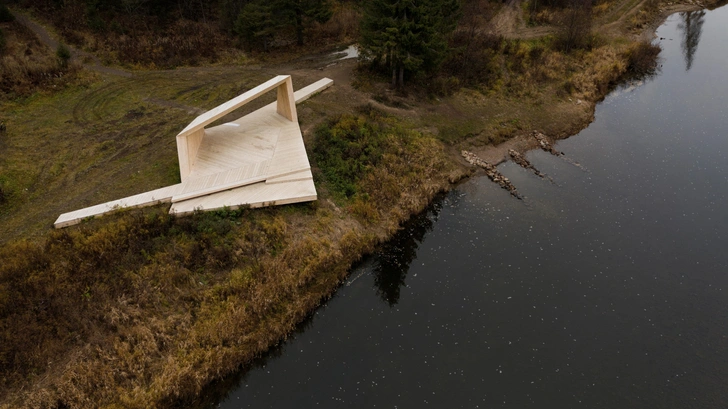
(347, 147)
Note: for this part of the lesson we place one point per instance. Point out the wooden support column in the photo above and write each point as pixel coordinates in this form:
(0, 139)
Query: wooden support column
(187, 147)
(285, 102)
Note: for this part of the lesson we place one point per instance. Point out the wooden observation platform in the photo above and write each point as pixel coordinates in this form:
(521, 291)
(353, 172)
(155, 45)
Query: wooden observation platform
(257, 160)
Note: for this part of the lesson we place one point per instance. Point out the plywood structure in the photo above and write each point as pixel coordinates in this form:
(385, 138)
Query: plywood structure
(257, 160)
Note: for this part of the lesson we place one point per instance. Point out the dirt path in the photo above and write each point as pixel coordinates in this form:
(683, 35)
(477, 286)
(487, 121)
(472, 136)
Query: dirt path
(617, 14)
(79, 55)
(509, 23)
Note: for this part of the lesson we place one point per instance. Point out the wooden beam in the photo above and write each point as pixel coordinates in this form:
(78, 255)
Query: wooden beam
(286, 104)
(313, 89)
(237, 102)
(187, 148)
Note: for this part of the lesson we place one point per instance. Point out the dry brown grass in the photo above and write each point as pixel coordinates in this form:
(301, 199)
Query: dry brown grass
(600, 70)
(343, 27)
(142, 310)
(26, 65)
(184, 42)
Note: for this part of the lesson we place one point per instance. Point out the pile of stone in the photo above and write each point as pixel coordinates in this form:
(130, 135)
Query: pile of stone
(524, 163)
(544, 143)
(492, 173)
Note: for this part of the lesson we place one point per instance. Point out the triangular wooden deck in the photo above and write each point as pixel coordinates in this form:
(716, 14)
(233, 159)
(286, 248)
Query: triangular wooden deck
(257, 160)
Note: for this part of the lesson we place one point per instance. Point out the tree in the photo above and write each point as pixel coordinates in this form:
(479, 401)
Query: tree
(5, 14)
(63, 54)
(259, 19)
(301, 13)
(575, 25)
(255, 23)
(407, 35)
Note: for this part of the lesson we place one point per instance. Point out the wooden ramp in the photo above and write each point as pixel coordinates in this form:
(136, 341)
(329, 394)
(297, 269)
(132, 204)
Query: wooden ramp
(257, 160)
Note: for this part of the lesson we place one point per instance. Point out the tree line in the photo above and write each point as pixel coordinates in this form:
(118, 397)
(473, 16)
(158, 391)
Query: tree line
(404, 38)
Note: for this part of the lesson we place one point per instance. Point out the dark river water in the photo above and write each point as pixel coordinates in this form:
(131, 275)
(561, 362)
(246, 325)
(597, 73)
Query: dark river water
(607, 288)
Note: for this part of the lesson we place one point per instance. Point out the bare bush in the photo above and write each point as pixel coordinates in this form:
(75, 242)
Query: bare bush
(342, 26)
(475, 49)
(575, 25)
(28, 65)
(642, 58)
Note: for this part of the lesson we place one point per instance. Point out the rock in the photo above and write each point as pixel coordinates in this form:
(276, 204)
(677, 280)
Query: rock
(492, 172)
(545, 144)
(523, 162)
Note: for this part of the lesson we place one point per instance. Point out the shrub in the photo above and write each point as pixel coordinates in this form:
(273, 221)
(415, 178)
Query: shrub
(28, 66)
(5, 15)
(642, 58)
(575, 26)
(475, 59)
(63, 54)
(651, 5)
(343, 25)
(346, 148)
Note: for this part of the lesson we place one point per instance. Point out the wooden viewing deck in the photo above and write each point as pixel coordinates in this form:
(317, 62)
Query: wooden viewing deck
(257, 160)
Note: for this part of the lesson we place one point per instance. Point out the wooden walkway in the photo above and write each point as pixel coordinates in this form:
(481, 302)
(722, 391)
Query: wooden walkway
(257, 160)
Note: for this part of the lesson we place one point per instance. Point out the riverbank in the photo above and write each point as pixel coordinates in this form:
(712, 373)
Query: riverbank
(141, 310)
(603, 288)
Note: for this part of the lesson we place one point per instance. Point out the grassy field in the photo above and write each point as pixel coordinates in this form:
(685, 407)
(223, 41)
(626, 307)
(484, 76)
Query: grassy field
(89, 144)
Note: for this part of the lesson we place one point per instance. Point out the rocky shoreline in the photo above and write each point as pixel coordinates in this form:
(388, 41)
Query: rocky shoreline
(492, 173)
(521, 160)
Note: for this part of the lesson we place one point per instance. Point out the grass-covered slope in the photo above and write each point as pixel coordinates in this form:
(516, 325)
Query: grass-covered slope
(142, 309)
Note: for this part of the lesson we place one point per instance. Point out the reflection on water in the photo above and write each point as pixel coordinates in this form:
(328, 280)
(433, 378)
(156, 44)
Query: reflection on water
(692, 28)
(394, 257)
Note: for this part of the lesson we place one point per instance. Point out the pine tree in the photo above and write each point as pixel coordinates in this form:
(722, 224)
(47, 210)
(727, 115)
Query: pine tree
(255, 24)
(259, 19)
(2, 42)
(301, 13)
(408, 36)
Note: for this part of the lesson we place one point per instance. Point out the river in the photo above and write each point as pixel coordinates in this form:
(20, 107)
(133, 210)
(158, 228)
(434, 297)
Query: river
(606, 288)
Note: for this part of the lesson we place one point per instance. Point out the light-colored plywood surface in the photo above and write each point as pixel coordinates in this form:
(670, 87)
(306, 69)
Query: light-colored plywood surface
(292, 177)
(313, 89)
(255, 195)
(187, 148)
(257, 160)
(163, 195)
(235, 103)
(266, 144)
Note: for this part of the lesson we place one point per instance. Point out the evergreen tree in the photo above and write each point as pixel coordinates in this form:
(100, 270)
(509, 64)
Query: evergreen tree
(5, 14)
(301, 13)
(259, 19)
(256, 24)
(408, 35)
(2, 42)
